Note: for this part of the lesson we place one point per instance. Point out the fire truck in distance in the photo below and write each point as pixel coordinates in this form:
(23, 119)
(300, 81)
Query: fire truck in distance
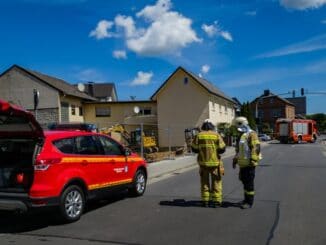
(296, 130)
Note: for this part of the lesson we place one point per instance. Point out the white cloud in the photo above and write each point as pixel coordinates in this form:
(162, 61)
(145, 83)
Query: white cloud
(211, 30)
(215, 30)
(310, 45)
(143, 78)
(205, 69)
(226, 35)
(153, 13)
(127, 23)
(166, 32)
(101, 30)
(302, 4)
(120, 54)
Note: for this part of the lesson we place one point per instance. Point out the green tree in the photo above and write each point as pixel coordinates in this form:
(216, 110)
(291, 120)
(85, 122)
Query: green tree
(246, 112)
(320, 119)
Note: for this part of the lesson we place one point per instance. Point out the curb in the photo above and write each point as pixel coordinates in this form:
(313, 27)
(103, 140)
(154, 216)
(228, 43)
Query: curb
(165, 168)
(161, 169)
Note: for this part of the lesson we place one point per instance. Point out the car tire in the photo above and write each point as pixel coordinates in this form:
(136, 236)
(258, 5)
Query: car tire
(72, 203)
(314, 139)
(300, 140)
(139, 183)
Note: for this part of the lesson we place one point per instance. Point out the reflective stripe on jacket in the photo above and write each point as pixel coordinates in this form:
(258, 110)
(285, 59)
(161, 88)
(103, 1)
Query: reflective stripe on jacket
(207, 144)
(247, 153)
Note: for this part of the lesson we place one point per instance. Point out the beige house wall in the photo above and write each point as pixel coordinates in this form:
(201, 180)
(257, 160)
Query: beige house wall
(290, 111)
(180, 105)
(220, 110)
(119, 112)
(77, 103)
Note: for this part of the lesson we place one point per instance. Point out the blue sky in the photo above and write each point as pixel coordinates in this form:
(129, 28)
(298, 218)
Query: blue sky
(241, 46)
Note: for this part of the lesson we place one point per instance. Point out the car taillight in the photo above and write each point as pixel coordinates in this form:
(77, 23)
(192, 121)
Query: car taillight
(44, 164)
(20, 178)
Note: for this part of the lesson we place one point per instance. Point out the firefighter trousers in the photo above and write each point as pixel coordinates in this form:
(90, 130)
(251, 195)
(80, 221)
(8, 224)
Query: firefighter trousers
(211, 184)
(247, 177)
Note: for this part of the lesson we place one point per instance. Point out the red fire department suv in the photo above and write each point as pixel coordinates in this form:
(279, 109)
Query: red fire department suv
(60, 168)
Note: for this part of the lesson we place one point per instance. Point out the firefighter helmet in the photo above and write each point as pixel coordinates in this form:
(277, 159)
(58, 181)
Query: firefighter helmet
(207, 125)
(241, 124)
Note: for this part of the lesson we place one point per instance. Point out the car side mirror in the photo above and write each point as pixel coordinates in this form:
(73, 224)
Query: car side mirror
(127, 152)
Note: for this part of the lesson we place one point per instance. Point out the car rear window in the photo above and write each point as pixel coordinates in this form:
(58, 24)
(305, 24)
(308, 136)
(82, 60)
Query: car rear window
(65, 145)
(81, 145)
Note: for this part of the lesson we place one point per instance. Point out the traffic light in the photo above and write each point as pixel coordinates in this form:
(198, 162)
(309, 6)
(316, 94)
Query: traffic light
(302, 91)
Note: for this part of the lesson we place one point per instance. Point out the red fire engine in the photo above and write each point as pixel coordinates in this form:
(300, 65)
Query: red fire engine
(296, 130)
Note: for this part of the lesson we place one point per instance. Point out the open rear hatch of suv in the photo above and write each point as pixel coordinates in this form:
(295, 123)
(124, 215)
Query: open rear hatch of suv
(20, 140)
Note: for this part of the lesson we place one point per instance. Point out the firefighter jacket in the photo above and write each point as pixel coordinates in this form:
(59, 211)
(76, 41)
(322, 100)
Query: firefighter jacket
(208, 145)
(248, 149)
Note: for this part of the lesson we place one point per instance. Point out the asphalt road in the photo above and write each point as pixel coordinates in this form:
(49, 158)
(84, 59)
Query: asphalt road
(289, 209)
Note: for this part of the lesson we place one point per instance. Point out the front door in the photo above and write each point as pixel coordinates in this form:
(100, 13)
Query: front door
(116, 161)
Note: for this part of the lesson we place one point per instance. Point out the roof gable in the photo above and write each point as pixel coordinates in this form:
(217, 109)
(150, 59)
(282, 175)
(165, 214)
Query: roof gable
(271, 95)
(54, 82)
(209, 87)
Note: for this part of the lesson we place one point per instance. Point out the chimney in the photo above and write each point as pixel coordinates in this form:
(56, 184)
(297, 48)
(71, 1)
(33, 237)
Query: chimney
(267, 92)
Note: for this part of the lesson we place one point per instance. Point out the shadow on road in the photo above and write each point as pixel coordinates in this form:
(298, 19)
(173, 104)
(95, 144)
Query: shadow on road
(11, 222)
(196, 203)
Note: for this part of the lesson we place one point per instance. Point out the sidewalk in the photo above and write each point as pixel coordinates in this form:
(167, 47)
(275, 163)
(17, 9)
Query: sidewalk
(160, 169)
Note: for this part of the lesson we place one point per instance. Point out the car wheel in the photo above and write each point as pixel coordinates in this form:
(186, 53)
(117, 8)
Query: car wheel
(139, 184)
(72, 203)
(314, 139)
(299, 140)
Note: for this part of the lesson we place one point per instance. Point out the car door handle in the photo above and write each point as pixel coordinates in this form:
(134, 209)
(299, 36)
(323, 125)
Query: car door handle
(112, 161)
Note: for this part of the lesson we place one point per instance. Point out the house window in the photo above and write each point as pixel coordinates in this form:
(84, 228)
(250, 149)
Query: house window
(145, 111)
(102, 111)
(213, 107)
(220, 109)
(260, 114)
(225, 110)
(80, 111)
(185, 80)
(276, 113)
(73, 110)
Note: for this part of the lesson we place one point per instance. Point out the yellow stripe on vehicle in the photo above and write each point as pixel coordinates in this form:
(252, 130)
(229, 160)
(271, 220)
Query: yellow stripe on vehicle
(109, 184)
(97, 160)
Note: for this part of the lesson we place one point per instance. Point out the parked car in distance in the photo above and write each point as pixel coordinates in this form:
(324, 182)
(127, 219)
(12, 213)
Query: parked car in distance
(264, 137)
(60, 168)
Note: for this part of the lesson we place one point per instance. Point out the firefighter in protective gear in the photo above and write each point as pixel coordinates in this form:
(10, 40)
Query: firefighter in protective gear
(209, 145)
(247, 157)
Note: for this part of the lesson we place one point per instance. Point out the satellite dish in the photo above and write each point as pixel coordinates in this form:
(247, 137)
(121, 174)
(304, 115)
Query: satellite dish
(136, 109)
(81, 87)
